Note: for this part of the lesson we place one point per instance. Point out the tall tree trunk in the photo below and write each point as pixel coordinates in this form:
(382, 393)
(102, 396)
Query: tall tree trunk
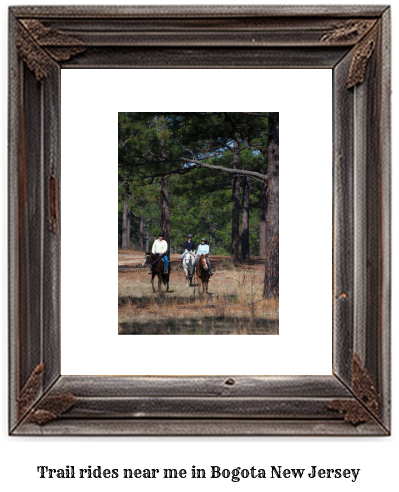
(164, 185)
(211, 235)
(125, 223)
(271, 287)
(147, 235)
(245, 218)
(128, 228)
(235, 227)
(262, 217)
(165, 217)
(141, 231)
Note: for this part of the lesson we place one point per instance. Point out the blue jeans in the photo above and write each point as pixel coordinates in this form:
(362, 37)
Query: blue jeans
(166, 260)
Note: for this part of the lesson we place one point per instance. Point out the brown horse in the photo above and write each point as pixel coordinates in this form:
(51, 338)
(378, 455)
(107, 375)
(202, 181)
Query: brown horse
(202, 272)
(158, 269)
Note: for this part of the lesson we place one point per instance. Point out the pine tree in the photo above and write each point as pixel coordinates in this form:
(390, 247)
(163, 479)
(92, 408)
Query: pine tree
(272, 219)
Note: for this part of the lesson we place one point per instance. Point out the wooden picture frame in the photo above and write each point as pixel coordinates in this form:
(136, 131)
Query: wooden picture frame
(353, 41)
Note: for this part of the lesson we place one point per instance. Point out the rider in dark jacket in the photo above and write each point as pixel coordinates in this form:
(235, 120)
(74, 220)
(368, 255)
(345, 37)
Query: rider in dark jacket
(189, 245)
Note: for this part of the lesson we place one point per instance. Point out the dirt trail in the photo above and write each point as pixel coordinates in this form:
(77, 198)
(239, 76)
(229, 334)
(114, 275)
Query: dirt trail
(234, 304)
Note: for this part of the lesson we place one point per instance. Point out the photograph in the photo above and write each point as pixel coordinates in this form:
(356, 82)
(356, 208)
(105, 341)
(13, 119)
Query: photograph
(198, 223)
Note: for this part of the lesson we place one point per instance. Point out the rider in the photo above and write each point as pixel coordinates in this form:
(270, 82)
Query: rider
(189, 245)
(160, 246)
(203, 249)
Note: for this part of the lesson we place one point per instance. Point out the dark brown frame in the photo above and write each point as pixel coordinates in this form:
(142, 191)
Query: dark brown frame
(354, 41)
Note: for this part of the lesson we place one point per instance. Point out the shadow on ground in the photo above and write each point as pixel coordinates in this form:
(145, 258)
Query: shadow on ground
(162, 299)
(203, 326)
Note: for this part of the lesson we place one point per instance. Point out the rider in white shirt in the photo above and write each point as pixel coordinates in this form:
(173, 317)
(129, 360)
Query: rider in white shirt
(203, 249)
(160, 246)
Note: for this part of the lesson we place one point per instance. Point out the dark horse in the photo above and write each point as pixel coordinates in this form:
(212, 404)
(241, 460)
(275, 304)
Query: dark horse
(202, 272)
(158, 268)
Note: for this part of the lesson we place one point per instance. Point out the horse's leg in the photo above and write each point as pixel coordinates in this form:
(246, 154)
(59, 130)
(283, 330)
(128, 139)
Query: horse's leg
(199, 279)
(152, 281)
(159, 281)
(165, 280)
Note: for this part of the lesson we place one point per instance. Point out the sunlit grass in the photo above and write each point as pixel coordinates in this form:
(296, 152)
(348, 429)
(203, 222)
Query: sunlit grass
(234, 304)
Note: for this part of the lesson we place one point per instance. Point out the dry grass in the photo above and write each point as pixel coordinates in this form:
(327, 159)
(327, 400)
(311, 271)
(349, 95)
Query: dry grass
(233, 306)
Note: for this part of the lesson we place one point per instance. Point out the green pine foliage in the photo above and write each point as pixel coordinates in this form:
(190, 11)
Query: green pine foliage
(156, 145)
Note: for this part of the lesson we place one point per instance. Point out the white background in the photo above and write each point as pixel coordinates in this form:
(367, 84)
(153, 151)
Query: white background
(377, 457)
(88, 243)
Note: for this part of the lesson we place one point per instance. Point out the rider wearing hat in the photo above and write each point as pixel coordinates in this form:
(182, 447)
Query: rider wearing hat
(189, 245)
(160, 246)
(203, 249)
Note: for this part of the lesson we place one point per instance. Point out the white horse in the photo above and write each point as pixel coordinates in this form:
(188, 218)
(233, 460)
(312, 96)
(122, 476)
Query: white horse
(188, 264)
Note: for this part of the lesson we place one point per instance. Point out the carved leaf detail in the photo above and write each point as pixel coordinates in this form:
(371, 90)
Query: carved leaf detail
(363, 387)
(50, 38)
(352, 411)
(36, 43)
(36, 59)
(350, 31)
(30, 390)
(363, 53)
(64, 53)
(52, 407)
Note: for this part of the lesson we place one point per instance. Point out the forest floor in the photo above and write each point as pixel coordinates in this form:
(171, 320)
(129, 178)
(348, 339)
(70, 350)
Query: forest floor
(233, 306)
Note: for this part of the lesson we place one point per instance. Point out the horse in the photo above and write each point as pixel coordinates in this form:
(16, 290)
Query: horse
(202, 272)
(158, 269)
(188, 264)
